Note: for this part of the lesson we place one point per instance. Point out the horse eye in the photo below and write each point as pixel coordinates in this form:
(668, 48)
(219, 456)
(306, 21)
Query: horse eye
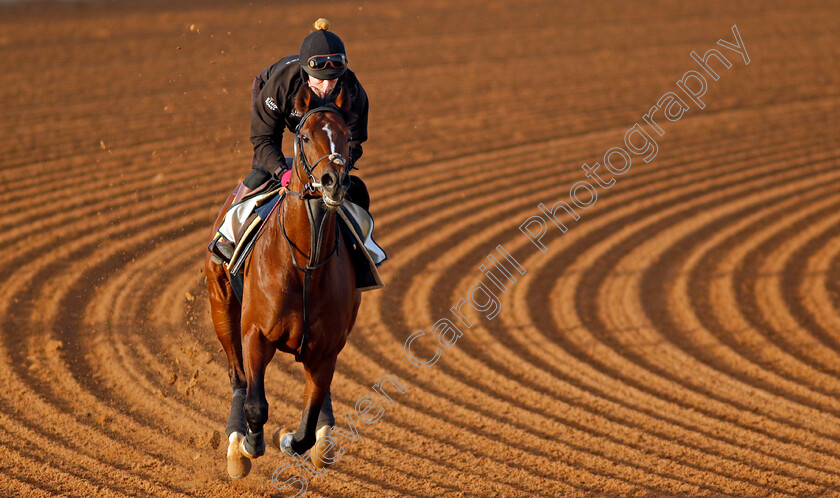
(305, 137)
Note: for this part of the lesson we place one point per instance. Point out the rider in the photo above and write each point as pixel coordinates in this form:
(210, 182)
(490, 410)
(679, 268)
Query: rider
(322, 65)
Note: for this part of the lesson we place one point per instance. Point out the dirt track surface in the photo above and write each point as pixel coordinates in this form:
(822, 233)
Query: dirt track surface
(681, 337)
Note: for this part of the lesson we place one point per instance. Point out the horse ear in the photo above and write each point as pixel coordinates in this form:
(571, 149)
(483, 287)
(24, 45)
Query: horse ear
(304, 98)
(342, 100)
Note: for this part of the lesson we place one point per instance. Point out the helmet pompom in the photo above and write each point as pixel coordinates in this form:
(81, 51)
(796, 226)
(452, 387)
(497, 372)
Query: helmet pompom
(323, 24)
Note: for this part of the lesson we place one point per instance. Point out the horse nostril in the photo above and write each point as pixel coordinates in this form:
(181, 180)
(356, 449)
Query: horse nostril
(328, 180)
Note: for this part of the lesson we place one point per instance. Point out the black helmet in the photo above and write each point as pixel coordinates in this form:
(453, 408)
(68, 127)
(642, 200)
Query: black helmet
(322, 53)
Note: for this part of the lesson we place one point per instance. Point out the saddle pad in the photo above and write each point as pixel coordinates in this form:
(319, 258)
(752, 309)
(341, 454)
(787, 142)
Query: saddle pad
(362, 222)
(239, 213)
(366, 254)
(252, 232)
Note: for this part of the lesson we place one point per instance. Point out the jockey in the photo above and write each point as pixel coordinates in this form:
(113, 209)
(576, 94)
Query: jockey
(322, 65)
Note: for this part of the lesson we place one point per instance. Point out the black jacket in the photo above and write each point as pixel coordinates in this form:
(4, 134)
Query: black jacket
(274, 110)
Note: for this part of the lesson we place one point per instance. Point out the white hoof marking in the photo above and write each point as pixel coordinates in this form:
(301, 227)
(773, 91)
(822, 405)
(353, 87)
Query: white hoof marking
(320, 460)
(237, 465)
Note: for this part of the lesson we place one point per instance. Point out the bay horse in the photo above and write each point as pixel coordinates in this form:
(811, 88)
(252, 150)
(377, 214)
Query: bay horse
(299, 293)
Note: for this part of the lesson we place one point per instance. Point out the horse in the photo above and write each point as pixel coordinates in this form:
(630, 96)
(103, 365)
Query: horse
(299, 293)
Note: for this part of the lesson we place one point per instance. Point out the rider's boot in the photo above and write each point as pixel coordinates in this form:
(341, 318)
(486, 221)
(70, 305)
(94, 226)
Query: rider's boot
(222, 248)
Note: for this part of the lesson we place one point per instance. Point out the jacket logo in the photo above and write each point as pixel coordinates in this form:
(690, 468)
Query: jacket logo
(270, 103)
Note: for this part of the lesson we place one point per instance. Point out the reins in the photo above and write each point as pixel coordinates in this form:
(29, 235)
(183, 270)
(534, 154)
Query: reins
(315, 241)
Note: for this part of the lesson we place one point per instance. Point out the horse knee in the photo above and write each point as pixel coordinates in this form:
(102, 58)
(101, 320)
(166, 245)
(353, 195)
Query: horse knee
(237, 379)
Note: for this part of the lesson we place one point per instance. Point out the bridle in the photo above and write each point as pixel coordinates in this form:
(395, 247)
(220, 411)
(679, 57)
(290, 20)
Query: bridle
(312, 186)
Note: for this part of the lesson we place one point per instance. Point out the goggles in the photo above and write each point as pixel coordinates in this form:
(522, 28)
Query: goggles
(319, 62)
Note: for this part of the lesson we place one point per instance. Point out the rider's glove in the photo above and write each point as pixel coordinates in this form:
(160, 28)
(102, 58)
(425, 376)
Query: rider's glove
(285, 178)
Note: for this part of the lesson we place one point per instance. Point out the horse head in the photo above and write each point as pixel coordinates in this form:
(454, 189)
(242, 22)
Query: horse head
(322, 146)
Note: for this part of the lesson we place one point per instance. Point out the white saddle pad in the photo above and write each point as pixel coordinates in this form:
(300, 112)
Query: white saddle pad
(238, 214)
(365, 222)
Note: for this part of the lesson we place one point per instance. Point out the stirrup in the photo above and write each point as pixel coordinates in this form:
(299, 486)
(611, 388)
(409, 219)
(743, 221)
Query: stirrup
(218, 254)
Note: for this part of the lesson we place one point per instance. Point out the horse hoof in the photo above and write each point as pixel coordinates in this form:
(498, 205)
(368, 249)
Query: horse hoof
(275, 437)
(237, 465)
(319, 459)
(284, 442)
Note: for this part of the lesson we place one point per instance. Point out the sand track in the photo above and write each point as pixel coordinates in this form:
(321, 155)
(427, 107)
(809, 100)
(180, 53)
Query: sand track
(681, 337)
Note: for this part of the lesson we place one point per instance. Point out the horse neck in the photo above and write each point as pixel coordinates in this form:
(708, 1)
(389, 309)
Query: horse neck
(298, 229)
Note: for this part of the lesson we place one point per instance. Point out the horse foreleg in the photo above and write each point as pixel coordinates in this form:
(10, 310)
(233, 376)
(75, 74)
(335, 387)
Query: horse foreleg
(258, 352)
(318, 379)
